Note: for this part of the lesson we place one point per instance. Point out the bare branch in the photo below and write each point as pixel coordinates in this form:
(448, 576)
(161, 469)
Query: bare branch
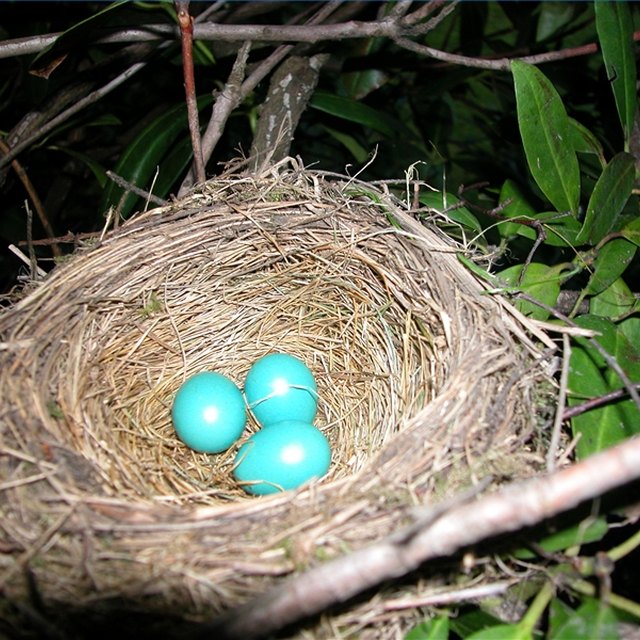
(35, 199)
(500, 64)
(609, 359)
(226, 101)
(515, 507)
(236, 90)
(92, 97)
(593, 403)
(186, 33)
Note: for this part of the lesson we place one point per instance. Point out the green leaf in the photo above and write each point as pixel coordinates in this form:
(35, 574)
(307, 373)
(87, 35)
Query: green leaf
(610, 263)
(617, 301)
(359, 153)
(546, 135)
(594, 619)
(591, 377)
(502, 632)
(599, 428)
(630, 329)
(359, 84)
(471, 622)
(540, 282)
(610, 194)
(585, 532)
(559, 614)
(79, 35)
(444, 203)
(143, 156)
(606, 336)
(615, 32)
(517, 208)
(631, 231)
(552, 17)
(585, 142)
(436, 629)
(353, 111)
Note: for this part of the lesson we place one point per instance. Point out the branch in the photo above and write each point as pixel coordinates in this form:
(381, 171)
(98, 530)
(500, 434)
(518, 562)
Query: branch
(236, 90)
(512, 508)
(186, 33)
(226, 101)
(593, 403)
(500, 64)
(35, 198)
(352, 29)
(290, 90)
(89, 99)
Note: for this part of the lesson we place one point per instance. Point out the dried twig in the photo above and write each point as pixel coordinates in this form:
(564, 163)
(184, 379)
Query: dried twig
(593, 403)
(33, 195)
(129, 187)
(78, 106)
(562, 394)
(186, 31)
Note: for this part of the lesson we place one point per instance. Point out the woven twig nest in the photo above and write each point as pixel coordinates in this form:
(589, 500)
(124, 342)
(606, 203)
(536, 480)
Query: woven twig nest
(425, 385)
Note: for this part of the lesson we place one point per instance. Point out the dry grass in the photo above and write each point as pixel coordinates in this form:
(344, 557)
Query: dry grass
(425, 386)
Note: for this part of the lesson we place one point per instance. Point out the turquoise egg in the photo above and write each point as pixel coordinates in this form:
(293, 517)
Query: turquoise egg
(209, 412)
(282, 456)
(280, 387)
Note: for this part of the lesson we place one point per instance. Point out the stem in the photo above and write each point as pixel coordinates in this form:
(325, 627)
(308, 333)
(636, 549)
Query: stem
(537, 607)
(629, 545)
(94, 96)
(624, 604)
(35, 198)
(572, 412)
(186, 32)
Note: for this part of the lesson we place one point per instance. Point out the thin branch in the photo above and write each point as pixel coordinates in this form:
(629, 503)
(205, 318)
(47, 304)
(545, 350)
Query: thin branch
(236, 90)
(512, 508)
(186, 32)
(594, 403)
(609, 359)
(430, 25)
(290, 33)
(226, 101)
(128, 187)
(34, 197)
(562, 395)
(89, 99)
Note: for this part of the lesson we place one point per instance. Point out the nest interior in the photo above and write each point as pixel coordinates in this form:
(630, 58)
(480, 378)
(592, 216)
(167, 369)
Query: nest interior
(425, 385)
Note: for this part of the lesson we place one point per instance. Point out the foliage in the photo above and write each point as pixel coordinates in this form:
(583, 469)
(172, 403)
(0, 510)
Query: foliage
(554, 146)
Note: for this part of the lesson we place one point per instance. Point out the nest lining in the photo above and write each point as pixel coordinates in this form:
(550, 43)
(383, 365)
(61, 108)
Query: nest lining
(422, 384)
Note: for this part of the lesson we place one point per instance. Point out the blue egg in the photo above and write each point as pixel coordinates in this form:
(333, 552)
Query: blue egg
(280, 387)
(209, 412)
(282, 456)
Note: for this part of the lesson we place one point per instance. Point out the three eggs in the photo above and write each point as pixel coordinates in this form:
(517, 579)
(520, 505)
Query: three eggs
(210, 413)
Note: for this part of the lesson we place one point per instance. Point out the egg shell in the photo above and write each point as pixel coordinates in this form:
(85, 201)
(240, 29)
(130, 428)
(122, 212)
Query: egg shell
(282, 456)
(209, 412)
(280, 387)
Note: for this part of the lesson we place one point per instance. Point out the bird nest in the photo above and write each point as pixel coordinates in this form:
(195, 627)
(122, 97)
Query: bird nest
(425, 386)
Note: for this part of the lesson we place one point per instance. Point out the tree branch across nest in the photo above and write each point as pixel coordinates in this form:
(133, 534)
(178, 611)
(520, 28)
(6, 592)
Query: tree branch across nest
(465, 523)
